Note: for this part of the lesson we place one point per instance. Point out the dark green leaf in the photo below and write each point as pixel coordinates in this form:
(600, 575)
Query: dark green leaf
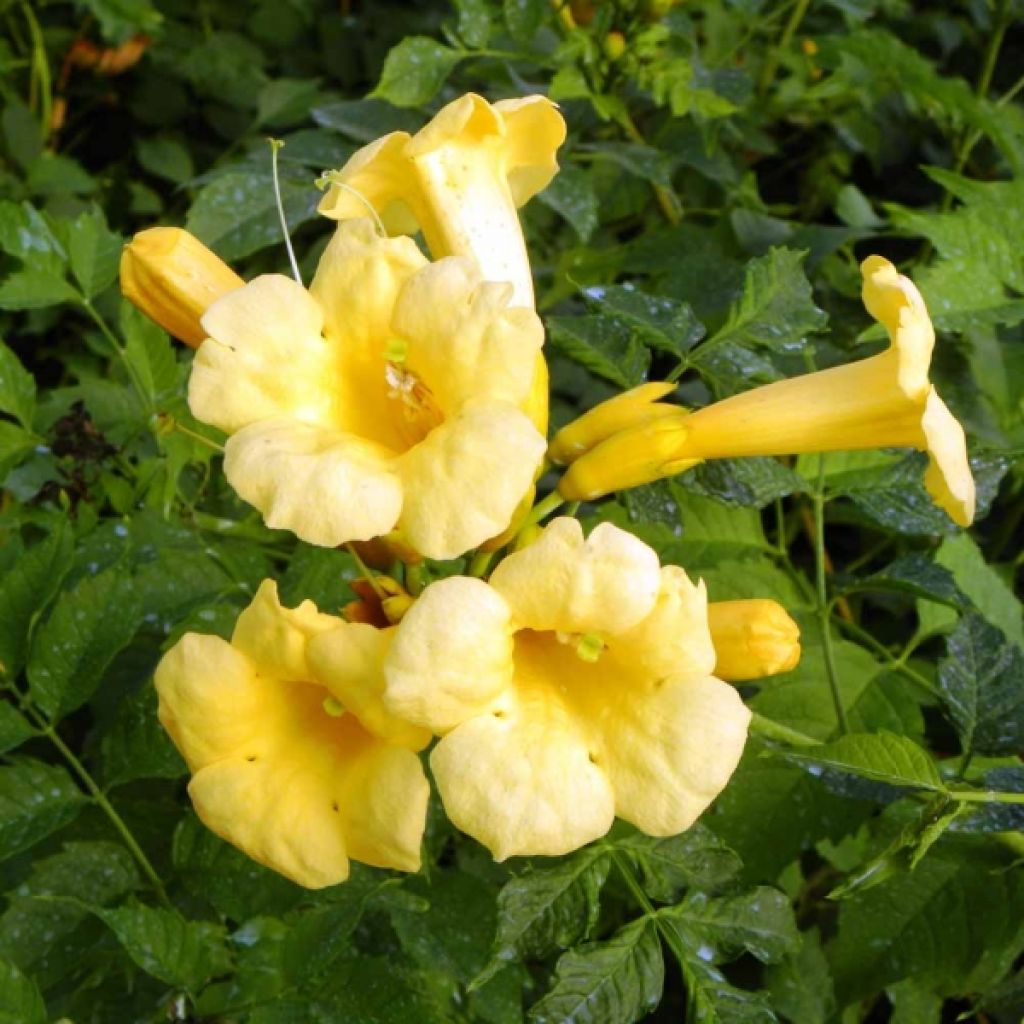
(137, 746)
(20, 1001)
(88, 626)
(981, 679)
(14, 729)
(165, 157)
(35, 289)
(752, 482)
(605, 346)
(366, 120)
(523, 18)
(915, 575)
(120, 19)
(148, 350)
(713, 1000)
(618, 980)
(17, 388)
(882, 757)
(26, 589)
(776, 309)
(168, 947)
(286, 101)
(35, 800)
(414, 71)
(759, 921)
(474, 21)
(15, 444)
(94, 251)
(801, 985)
(661, 323)
(572, 195)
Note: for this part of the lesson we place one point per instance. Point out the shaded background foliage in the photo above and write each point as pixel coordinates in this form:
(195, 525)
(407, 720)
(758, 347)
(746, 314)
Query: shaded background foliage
(729, 161)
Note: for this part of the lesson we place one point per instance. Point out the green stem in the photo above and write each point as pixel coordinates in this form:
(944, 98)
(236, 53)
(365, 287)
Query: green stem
(414, 579)
(104, 804)
(480, 563)
(772, 730)
(115, 344)
(986, 796)
(824, 609)
(896, 664)
(542, 510)
(771, 65)
(365, 572)
(670, 937)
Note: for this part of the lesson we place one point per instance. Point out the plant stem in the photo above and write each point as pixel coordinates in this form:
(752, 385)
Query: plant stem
(480, 563)
(542, 509)
(824, 609)
(986, 796)
(772, 730)
(896, 664)
(771, 64)
(119, 349)
(365, 572)
(671, 939)
(104, 804)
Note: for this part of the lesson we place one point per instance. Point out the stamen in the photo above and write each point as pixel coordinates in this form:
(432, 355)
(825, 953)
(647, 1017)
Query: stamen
(334, 707)
(589, 647)
(275, 145)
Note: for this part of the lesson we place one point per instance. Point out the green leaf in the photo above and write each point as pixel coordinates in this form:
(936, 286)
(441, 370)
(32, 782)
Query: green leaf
(414, 71)
(35, 800)
(286, 101)
(17, 388)
(35, 289)
(752, 482)
(603, 345)
(44, 910)
(366, 120)
(549, 908)
(166, 946)
(953, 922)
(15, 444)
(26, 235)
(981, 680)
(775, 310)
(661, 323)
(474, 27)
(695, 859)
(915, 575)
(20, 1001)
(26, 589)
(882, 757)
(571, 195)
(620, 979)
(72, 649)
(94, 251)
(14, 729)
(148, 349)
(165, 157)
(120, 19)
(137, 746)
(713, 1000)
(801, 985)
(523, 18)
(236, 213)
(759, 921)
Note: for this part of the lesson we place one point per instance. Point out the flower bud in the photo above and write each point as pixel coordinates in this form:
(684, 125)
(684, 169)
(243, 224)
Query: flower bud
(630, 409)
(752, 639)
(614, 45)
(173, 278)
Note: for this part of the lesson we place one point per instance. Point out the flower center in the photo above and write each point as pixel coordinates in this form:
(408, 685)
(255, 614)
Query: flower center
(588, 646)
(419, 411)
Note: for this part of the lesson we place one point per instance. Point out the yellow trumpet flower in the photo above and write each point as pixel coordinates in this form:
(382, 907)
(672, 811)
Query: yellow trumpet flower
(173, 278)
(575, 686)
(300, 774)
(884, 401)
(459, 180)
(753, 639)
(392, 395)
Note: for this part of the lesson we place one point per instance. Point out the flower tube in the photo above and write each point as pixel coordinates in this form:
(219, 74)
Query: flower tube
(173, 278)
(573, 687)
(301, 776)
(395, 394)
(460, 180)
(884, 401)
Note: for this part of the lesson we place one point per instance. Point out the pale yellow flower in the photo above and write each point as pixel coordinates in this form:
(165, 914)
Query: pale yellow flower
(753, 639)
(575, 686)
(884, 401)
(299, 775)
(173, 278)
(459, 180)
(390, 396)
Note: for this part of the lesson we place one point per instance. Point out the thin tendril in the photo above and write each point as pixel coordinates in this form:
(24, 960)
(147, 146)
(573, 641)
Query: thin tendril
(275, 145)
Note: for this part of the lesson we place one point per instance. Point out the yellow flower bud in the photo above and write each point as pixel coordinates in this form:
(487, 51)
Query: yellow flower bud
(628, 458)
(752, 639)
(173, 278)
(630, 409)
(614, 45)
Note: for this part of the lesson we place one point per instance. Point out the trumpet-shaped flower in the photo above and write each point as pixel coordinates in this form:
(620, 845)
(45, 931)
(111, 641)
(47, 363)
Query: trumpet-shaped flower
(390, 396)
(459, 180)
(299, 775)
(886, 400)
(173, 278)
(753, 639)
(573, 687)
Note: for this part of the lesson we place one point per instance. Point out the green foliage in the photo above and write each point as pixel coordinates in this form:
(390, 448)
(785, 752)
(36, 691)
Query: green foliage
(726, 170)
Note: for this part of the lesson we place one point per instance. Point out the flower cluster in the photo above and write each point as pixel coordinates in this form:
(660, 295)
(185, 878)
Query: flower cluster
(402, 400)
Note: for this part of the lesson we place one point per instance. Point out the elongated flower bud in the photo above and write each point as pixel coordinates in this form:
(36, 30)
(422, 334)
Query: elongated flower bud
(752, 639)
(632, 408)
(173, 278)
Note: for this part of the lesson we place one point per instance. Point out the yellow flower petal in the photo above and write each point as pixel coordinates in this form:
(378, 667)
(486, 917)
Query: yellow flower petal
(670, 752)
(463, 340)
(254, 331)
(327, 488)
(948, 476)
(349, 661)
(534, 129)
(523, 783)
(463, 482)
(604, 584)
(212, 703)
(674, 638)
(451, 656)
(275, 637)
